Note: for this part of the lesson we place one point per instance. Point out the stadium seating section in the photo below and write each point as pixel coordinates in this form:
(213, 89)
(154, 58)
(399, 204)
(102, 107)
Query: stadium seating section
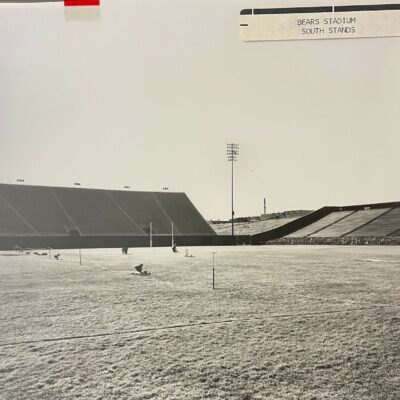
(321, 224)
(54, 211)
(364, 223)
(386, 225)
(38, 208)
(184, 215)
(11, 223)
(350, 223)
(143, 208)
(250, 228)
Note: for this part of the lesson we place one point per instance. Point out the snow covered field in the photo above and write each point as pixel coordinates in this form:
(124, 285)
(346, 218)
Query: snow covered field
(285, 322)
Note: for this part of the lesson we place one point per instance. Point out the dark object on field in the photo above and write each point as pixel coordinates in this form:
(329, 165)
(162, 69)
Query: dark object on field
(57, 256)
(125, 250)
(139, 269)
(174, 248)
(39, 254)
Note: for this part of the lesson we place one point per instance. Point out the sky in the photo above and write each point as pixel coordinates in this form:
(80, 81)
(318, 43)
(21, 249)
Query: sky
(150, 94)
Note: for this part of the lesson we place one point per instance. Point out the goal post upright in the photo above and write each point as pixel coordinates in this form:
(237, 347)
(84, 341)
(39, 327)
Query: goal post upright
(151, 234)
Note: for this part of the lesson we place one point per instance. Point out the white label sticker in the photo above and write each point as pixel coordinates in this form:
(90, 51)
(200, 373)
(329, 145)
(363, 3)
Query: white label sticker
(302, 23)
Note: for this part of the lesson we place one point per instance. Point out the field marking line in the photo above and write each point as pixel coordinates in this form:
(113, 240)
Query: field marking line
(377, 260)
(178, 326)
(90, 259)
(346, 301)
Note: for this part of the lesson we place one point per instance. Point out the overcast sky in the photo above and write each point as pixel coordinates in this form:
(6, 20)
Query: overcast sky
(150, 94)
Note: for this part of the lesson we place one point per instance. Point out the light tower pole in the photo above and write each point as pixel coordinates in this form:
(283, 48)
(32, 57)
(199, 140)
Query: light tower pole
(232, 151)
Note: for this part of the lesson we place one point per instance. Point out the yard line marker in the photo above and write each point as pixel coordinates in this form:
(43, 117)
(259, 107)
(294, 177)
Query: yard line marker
(204, 323)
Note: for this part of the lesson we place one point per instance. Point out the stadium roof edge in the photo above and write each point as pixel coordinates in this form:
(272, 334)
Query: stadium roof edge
(86, 188)
(370, 205)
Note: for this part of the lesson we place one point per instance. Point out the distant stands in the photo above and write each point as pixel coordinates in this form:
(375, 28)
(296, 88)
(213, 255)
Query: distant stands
(375, 223)
(250, 228)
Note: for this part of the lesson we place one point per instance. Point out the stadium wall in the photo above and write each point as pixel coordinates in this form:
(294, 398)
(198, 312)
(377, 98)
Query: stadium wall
(86, 242)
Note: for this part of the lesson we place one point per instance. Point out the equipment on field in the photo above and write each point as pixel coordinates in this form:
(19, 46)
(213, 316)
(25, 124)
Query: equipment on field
(139, 271)
(187, 254)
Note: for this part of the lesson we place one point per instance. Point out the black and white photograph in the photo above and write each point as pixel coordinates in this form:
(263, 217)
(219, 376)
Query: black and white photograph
(199, 199)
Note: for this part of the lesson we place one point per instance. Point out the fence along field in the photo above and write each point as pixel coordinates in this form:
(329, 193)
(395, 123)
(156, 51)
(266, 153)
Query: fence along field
(283, 322)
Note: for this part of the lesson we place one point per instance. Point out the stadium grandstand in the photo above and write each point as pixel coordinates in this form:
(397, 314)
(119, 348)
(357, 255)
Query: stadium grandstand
(360, 224)
(59, 217)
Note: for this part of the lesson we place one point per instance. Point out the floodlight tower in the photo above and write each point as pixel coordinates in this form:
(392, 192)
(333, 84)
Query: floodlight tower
(232, 151)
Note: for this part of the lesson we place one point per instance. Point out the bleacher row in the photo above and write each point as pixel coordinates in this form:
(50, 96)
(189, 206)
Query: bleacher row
(56, 211)
(378, 222)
